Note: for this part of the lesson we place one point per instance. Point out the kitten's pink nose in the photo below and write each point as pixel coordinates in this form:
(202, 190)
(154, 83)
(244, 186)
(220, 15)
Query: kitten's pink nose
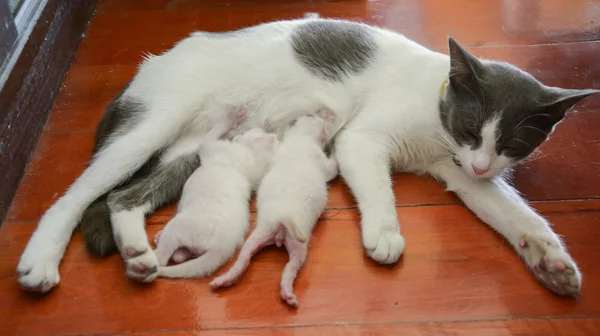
(480, 171)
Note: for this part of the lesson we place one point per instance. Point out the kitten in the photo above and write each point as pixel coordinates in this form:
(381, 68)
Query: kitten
(212, 217)
(392, 116)
(290, 200)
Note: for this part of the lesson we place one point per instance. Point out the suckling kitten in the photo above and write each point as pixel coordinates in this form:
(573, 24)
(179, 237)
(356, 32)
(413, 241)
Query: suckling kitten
(291, 197)
(212, 217)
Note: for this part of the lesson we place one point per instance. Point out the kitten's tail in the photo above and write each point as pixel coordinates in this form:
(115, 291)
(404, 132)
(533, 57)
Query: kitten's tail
(97, 230)
(201, 267)
(290, 224)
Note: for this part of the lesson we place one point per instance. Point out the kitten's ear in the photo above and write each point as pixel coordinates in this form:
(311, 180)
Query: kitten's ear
(562, 100)
(464, 67)
(272, 140)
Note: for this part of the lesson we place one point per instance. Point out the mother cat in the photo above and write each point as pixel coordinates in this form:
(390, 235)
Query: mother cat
(400, 106)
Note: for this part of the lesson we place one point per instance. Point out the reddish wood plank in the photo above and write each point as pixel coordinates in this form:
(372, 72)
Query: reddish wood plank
(428, 22)
(454, 268)
(566, 327)
(498, 22)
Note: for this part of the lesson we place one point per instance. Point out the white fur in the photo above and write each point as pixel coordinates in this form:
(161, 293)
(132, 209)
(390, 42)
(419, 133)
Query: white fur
(389, 114)
(212, 217)
(290, 199)
(484, 162)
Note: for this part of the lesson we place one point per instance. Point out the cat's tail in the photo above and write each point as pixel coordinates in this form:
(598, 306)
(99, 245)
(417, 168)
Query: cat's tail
(290, 224)
(201, 267)
(97, 230)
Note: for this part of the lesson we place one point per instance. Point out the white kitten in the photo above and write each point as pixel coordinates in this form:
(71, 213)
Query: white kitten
(212, 218)
(291, 197)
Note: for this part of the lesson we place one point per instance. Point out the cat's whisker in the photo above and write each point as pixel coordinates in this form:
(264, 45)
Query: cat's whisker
(525, 142)
(531, 116)
(533, 127)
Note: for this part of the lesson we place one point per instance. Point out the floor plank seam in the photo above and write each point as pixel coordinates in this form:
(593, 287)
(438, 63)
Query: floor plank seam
(343, 324)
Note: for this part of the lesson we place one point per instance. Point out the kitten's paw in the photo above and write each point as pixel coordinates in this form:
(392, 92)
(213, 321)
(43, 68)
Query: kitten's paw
(143, 267)
(289, 297)
(38, 273)
(223, 281)
(385, 247)
(551, 265)
(237, 116)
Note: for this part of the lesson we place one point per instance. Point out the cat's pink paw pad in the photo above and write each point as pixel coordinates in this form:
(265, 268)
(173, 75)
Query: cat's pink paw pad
(143, 268)
(551, 265)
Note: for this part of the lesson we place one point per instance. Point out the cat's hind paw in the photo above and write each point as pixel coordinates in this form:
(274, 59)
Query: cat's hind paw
(551, 265)
(143, 267)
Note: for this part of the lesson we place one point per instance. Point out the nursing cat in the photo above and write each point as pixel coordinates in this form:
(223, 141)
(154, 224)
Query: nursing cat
(400, 106)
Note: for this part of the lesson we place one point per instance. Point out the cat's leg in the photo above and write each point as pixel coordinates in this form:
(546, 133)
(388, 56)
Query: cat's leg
(123, 155)
(500, 206)
(364, 164)
(297, 254)
(260, 237)
(130, 205)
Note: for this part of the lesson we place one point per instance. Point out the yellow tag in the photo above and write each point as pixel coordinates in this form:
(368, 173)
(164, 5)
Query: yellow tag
(443, 87)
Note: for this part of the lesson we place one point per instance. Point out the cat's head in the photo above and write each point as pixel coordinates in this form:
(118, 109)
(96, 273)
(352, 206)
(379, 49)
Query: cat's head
(497, 114)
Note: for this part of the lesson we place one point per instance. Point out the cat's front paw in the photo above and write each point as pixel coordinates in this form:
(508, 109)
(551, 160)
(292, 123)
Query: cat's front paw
(383, 245)
(38, 270)
(551, 264)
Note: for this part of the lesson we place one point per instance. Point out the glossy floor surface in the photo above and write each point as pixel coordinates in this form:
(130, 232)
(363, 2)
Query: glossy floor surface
(457, 277)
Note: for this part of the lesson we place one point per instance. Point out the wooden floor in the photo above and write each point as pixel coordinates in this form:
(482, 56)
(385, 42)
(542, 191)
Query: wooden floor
(457, 277)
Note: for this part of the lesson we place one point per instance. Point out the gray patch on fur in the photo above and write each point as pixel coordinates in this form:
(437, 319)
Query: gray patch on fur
(120, 116)
(163, 184)
(479, 91)
(333, 49)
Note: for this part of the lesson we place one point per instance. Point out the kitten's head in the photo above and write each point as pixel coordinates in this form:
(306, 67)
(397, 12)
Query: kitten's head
(498, 114)
(258, 141)
(313, 125)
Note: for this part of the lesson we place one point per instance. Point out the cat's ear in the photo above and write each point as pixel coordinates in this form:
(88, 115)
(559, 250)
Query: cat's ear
(562, 100)
(464, 67)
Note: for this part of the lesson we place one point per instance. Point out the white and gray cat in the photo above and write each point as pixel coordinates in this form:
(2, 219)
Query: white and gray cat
(385, 91)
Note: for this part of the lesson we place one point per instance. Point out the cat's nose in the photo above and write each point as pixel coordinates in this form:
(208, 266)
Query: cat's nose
(480, 171)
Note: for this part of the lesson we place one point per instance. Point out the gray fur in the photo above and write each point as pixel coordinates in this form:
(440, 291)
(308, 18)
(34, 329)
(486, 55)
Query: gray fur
(333, 49)
(481, 90)
(163, 184)
(120, 115)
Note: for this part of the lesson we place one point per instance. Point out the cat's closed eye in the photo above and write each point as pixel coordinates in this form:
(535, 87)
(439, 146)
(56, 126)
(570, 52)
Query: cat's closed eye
(471, 135)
